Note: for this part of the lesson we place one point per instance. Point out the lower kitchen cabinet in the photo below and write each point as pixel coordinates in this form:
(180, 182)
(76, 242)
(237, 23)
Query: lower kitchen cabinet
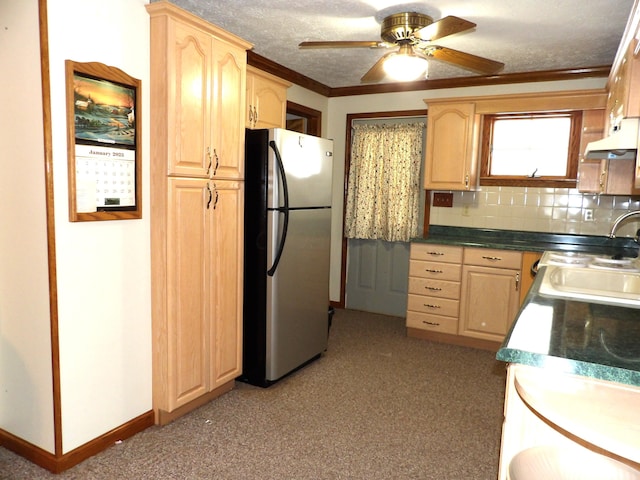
(529, 270)
(434, 288)
(490, 292)
(467, 296)
(197, 295)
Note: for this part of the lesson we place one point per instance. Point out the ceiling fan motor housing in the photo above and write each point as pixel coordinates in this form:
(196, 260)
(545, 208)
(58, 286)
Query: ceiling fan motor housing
(400, 26)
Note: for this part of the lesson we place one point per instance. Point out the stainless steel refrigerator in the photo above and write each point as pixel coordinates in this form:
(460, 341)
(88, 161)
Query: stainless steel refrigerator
(286, 262)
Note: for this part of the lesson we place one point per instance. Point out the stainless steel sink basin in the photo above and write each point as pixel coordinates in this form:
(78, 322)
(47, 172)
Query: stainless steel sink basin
(592, 285)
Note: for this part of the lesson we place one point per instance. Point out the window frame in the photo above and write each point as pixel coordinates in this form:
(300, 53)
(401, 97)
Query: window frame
(573, 155)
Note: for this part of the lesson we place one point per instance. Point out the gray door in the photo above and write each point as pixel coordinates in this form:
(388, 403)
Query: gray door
(377, 276)
(378, 271)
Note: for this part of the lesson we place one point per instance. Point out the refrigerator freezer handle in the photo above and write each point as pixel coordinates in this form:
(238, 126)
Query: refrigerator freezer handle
(284, 209)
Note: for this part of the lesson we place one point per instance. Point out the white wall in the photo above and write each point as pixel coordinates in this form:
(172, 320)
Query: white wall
(339, 107)
(302, 96)
(26, 386)
(103, 267)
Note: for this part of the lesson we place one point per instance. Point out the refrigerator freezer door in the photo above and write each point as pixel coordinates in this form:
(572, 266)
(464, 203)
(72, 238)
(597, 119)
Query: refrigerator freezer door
(308, 165)
(298, 292)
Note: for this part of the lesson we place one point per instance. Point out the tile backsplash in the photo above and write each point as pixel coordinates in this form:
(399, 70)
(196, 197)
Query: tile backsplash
(552, 210)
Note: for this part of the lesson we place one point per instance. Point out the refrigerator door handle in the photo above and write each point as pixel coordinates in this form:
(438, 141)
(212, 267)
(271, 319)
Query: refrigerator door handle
(284, 209)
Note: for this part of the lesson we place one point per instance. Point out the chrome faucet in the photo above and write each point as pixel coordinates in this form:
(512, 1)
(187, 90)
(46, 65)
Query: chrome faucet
(621, 219)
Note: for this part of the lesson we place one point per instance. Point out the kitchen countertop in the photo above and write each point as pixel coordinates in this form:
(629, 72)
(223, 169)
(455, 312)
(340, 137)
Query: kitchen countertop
(529, 241)
(568, 336)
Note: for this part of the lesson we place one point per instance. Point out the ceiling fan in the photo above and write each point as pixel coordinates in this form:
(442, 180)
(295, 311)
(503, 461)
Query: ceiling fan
(413, 33)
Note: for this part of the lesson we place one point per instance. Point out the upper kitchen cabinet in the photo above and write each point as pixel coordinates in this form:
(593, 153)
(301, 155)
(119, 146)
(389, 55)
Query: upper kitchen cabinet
(603, 176)
(624, 88)
(203, 129)
(266, 100)
(452, 147)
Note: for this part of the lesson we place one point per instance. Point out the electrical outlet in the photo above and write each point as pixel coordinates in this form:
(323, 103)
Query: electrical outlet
(465, 210)
(588, 214)
(442, 199)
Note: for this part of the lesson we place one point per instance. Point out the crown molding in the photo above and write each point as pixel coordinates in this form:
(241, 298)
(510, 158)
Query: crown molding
(525, 77)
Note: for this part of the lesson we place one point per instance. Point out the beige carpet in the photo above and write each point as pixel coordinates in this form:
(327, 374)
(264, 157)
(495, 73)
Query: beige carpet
(377, 405)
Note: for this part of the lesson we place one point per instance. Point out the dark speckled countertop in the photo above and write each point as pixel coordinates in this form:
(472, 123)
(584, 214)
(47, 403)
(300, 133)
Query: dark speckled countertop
(529, 241)
(589, 339)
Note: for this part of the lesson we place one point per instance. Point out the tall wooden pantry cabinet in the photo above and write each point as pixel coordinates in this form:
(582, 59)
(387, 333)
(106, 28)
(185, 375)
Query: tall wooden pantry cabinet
(198, 82)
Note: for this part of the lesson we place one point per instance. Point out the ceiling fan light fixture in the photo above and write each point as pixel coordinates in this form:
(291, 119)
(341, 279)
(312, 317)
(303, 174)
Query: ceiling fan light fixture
(406, 66)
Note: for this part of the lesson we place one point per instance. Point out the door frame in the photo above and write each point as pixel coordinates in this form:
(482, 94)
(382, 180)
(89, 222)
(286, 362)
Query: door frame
(347, 163)
(312, 116)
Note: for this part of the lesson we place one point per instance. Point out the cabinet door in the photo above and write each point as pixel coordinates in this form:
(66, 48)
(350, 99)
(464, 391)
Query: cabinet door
(621, 177)
(266, 101)
(188, 278)
(489, 301)
(529, 261)
(227, 266)
(188, 100)
(592, 176)
(451, 149)
(227, 147)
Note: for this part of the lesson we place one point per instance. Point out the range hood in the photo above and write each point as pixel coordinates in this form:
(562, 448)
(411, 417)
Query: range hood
(622, 144)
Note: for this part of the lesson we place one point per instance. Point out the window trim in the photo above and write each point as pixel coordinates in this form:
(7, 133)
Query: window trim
(567, 181)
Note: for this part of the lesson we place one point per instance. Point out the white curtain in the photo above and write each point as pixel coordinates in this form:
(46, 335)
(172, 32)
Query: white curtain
(383, 192)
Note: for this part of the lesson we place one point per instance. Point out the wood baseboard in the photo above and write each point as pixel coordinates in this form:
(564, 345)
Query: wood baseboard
(58, 463)
(453, 339)
(163, 417)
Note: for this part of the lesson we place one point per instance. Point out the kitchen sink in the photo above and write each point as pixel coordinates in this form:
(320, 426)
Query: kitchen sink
(598, 285)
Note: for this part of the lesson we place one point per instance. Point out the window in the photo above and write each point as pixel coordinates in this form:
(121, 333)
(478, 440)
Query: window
(537, 149)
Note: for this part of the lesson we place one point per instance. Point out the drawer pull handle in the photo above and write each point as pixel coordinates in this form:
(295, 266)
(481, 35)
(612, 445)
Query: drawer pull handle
(432, 271)
(431, 323)
(487, 257)
(436, 253)
(428, 305)
(435, 289)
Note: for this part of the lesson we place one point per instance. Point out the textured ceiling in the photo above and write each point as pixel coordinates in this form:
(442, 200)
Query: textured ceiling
(526, 35)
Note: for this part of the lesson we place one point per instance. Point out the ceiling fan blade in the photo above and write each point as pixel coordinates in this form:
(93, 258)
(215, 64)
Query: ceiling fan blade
(444, 27)
(344, 44)
(375, 73)
(464, 60)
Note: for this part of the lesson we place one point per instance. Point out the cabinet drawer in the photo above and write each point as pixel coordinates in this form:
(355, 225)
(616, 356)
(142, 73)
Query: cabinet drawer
(487, 257)
(433, 305)
(437, 271)
(424, 321)
(434, 288)
(436, 253)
